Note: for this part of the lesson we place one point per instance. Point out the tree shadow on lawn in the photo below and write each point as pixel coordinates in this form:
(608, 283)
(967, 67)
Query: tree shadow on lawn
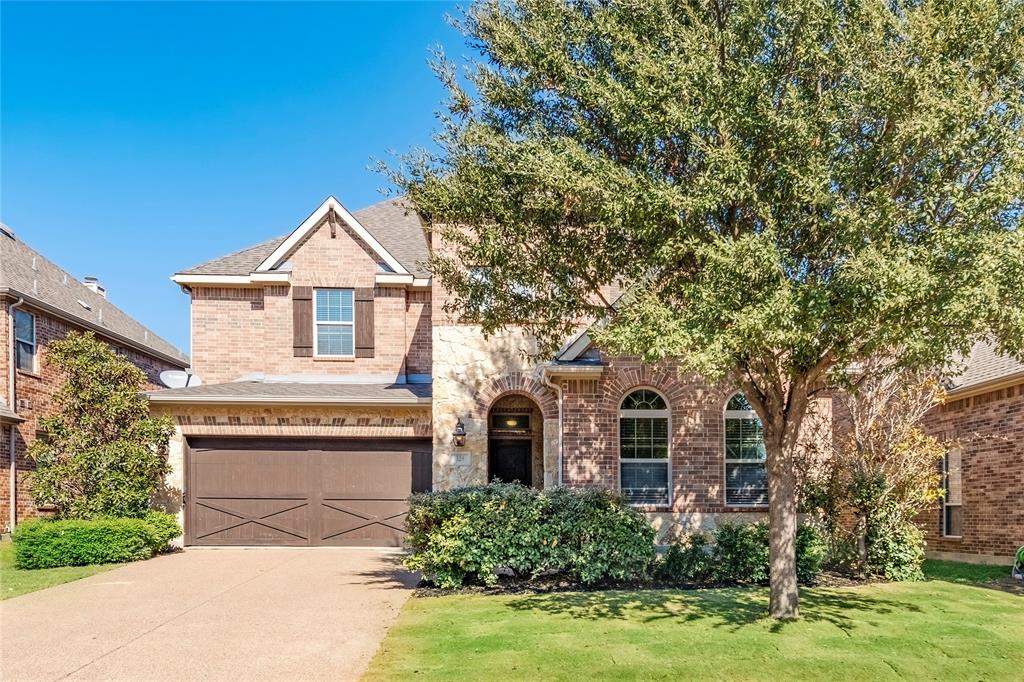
(728, 608)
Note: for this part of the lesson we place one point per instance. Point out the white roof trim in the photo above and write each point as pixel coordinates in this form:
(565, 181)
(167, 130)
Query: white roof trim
(573, 370)
(575, 347)
(282, 251)
(251, 278)
(393, 278)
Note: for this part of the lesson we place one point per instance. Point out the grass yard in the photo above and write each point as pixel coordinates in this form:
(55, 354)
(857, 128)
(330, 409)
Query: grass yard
(942, 629)
(14, 582)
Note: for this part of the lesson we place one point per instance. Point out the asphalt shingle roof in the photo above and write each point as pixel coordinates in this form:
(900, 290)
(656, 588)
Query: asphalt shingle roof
(25, 272)
(296, 392)
(986, 364)
(238, 263)
(392, 222)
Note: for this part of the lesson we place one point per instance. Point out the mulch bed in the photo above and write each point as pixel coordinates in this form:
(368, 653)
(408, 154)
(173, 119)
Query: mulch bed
(555, 584)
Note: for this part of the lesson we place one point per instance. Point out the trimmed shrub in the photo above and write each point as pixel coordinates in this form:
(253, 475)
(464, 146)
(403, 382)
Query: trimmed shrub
(688, 560)
(474, 534)
(72, 542)
(165, 528)
(811, 551)
(895, 548)
(741, 553)
(41, 543)
(736, 553)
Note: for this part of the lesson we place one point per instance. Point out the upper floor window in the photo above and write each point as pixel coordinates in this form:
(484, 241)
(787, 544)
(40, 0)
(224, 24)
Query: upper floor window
(334, 322)
(25, 340)
(644, 448)
(746, 476)
(952, 501)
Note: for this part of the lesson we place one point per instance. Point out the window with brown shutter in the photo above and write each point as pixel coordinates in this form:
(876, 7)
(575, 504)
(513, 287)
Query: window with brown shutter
(302, 322)
(364, 322)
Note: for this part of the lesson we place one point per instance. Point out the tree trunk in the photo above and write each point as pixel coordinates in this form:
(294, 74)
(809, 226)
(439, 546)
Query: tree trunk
(782, 520)
(862, 545)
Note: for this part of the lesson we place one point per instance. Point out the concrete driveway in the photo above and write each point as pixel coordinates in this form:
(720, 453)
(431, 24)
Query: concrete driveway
(218, 614)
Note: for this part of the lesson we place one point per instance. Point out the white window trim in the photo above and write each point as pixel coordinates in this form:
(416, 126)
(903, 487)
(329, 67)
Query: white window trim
(736, 414)
(667, 414)
(31, 343)
(945, 485)
(317, 323)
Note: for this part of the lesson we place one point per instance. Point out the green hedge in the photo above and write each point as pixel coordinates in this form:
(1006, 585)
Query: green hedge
(736, 553)
(41, 543)
(474, 534)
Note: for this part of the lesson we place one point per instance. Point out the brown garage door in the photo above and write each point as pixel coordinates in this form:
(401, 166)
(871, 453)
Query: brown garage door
(302, 492)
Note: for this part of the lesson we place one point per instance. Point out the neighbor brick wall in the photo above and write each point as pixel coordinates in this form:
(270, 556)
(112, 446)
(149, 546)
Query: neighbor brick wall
(239, 331)
(35, 392)
(990, 430)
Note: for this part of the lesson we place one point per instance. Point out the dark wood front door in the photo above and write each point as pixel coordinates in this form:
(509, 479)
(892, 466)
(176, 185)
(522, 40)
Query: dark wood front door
(511, 460)
(302, 492)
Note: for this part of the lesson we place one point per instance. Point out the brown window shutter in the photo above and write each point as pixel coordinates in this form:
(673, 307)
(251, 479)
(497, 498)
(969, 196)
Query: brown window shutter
(302, 321)
(364, 322)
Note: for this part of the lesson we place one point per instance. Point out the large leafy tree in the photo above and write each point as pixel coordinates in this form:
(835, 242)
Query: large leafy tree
(102, 453)
(786, 187)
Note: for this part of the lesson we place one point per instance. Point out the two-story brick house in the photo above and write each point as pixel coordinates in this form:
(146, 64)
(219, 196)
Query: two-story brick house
(39, 303)
(336, 383)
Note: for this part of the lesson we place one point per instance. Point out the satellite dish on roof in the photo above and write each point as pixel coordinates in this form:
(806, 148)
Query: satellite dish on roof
(178, 378)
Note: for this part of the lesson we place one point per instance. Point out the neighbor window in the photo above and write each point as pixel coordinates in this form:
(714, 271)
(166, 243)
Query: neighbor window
(746, 477)
(952, 481)
(25, 340)
(643, 448)
(335, 322)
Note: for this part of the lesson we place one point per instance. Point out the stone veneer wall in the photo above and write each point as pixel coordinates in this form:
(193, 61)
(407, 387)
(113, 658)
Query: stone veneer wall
(470, 373)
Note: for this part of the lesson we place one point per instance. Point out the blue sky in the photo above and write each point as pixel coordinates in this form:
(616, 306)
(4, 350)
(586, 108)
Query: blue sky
(137, 139)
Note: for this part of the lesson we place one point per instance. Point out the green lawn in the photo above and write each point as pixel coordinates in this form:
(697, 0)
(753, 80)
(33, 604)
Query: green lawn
(14, 582)
(935, 629)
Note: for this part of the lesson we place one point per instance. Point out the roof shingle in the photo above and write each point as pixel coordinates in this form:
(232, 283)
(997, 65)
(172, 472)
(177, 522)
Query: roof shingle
(392, 222)
(25, 272)
(299, 392)
(986, 364)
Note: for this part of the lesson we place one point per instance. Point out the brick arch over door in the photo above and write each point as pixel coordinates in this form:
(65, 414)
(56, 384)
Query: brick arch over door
(519, 384)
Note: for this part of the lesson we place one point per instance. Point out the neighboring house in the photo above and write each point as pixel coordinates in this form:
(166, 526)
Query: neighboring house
(982, 514)
(335, 384)
(42, 303)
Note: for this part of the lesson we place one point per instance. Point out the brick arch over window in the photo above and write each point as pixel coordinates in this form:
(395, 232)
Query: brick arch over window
(674, 389)
(516, 384)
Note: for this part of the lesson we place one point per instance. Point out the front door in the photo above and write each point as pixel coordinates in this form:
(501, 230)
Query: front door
(511, 460)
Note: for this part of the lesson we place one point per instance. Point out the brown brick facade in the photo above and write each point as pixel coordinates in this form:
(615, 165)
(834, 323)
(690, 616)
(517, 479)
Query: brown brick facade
(35, 392)
(697, 445)
(989, 429)
(244, 330)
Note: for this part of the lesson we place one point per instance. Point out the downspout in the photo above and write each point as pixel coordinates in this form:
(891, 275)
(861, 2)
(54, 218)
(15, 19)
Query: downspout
(557, 388)
(11, 387)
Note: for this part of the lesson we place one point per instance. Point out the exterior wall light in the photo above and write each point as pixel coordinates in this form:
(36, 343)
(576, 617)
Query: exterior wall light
(459, 434)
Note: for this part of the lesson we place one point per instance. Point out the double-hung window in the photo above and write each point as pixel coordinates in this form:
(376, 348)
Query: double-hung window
(644, 448)
(746, 476)
(25, 340)
(952, 501)
(334, 325)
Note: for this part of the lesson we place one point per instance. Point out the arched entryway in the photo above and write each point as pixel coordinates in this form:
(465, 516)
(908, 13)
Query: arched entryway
(515, 442)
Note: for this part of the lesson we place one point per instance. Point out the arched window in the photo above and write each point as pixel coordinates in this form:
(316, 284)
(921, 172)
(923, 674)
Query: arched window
(746, 477)
(643, 448)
